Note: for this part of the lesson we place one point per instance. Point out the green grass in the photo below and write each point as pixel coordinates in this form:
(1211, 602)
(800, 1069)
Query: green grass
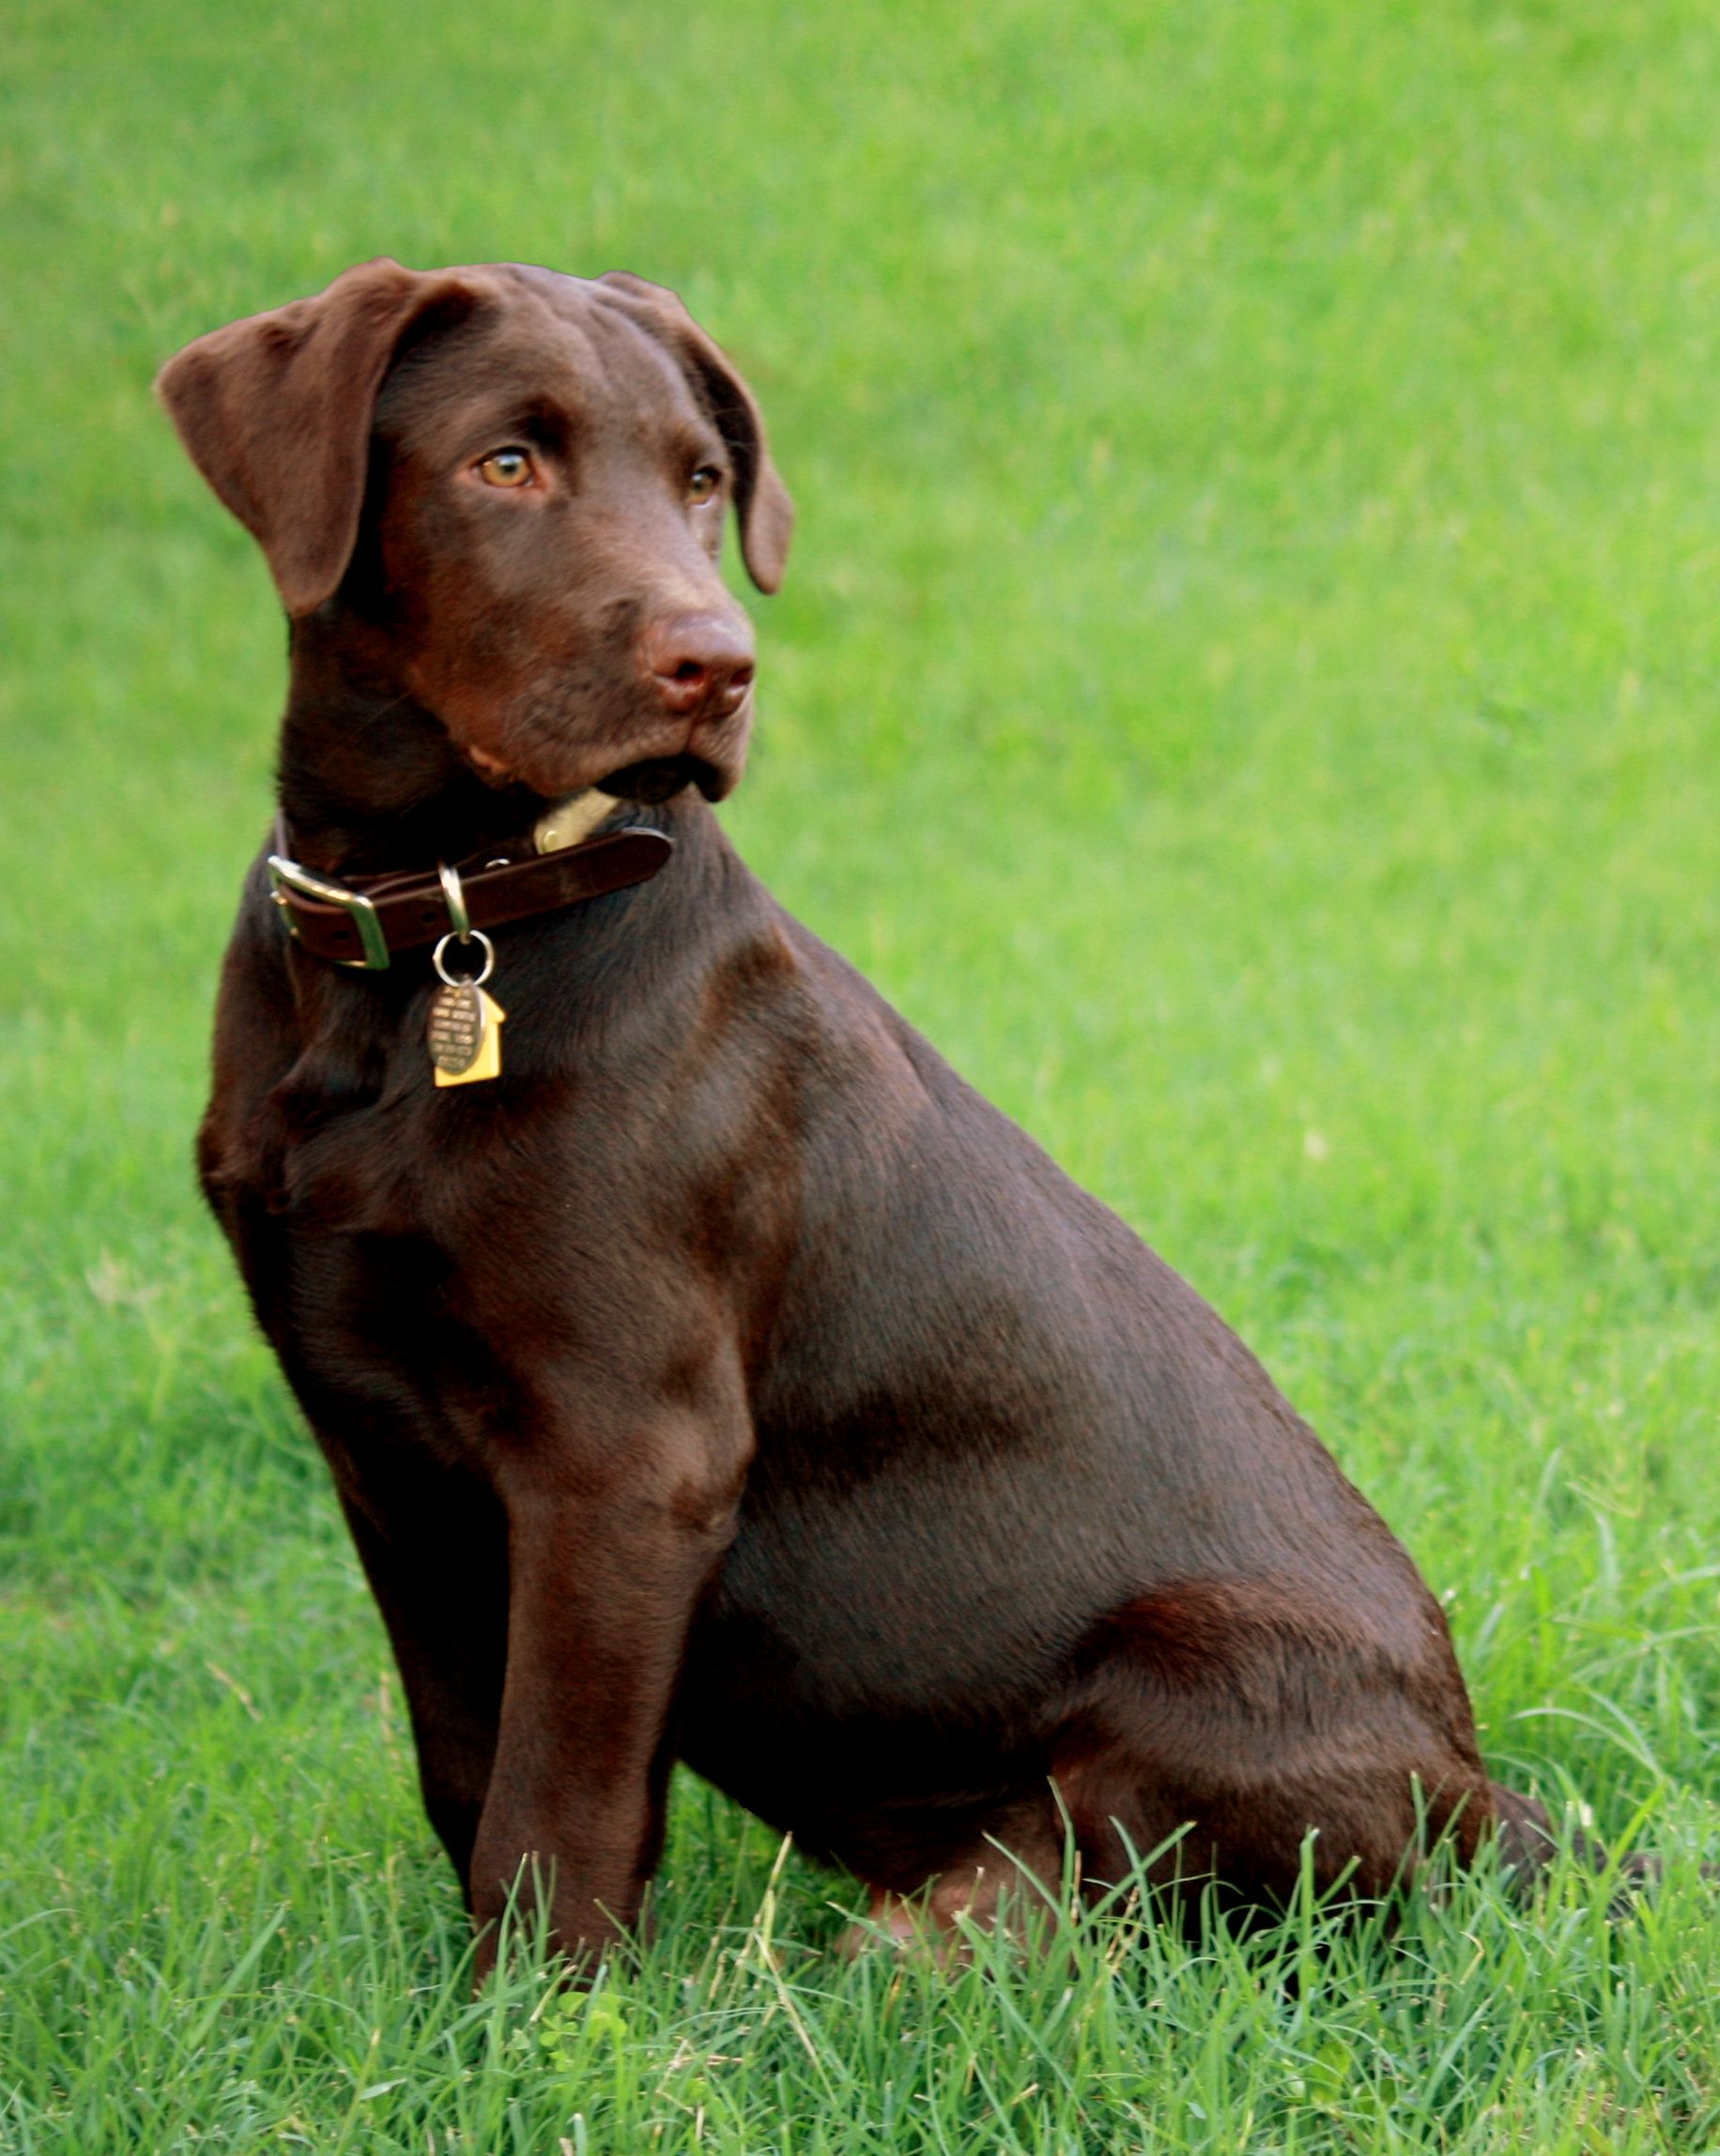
(1246, 686)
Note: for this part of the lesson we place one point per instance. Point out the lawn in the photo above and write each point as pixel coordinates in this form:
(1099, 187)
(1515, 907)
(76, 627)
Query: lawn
(1246, 687)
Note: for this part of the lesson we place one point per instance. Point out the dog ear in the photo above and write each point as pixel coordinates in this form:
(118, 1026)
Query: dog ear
(275, 412)
(762, 506)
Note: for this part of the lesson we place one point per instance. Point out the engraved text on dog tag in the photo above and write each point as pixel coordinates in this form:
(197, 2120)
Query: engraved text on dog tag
(464, 1048)
(457, 1027)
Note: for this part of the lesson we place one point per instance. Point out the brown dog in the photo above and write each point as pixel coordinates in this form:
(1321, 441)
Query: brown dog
(724, 1379)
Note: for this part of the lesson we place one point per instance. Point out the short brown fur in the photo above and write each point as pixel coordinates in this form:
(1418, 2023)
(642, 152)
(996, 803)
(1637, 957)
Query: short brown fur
(727, 1380)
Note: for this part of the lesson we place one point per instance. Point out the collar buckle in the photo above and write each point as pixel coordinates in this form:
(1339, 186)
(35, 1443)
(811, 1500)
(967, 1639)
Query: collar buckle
(285, 876)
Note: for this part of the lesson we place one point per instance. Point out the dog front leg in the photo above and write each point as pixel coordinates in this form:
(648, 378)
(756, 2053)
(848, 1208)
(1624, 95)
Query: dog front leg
(440, 1576)
(602, 1589)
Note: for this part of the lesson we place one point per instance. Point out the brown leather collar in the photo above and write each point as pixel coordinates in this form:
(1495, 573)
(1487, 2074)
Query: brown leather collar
(363, 920)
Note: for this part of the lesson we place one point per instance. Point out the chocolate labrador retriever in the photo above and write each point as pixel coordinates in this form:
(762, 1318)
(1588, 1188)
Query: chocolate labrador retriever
(706, 1371)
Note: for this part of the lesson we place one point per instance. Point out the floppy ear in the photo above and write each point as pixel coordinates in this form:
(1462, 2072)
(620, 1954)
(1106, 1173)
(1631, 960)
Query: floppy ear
(275, 412)
(761, 501)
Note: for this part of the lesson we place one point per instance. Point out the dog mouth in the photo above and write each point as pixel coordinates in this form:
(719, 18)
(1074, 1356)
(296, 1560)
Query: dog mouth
(650, 780)
(657, 778)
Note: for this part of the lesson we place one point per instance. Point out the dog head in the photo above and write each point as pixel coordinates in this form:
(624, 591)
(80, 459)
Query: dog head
(508, 488)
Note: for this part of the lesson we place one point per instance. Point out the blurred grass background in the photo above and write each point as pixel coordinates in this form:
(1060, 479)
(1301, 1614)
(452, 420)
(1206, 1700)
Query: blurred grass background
(1245, 686)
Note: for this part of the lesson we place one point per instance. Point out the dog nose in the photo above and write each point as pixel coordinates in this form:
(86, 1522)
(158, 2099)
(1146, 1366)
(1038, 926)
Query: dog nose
(701, 663)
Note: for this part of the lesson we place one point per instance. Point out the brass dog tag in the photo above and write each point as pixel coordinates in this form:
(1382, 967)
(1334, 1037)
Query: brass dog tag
(465, 1033)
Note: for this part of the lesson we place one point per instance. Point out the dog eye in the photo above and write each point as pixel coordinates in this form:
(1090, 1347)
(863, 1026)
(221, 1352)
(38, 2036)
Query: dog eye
(506, 468)
(704, 483)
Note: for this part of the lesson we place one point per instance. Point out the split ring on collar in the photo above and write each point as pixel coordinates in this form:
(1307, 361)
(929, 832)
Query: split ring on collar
(464, 980)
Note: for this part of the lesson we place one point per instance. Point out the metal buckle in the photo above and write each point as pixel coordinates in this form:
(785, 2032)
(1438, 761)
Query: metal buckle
(356, 907)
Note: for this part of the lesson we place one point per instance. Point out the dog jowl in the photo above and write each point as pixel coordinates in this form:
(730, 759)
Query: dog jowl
(721, 1378)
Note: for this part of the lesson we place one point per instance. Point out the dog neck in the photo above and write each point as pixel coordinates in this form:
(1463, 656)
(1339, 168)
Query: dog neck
(368, 779)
